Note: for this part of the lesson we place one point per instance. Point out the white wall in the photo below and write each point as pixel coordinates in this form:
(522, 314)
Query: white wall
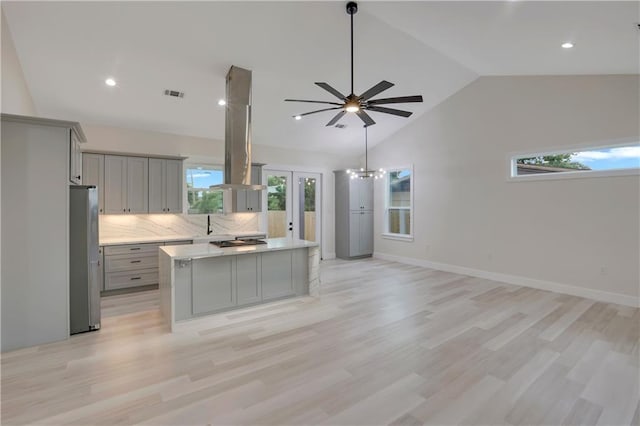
(557, 234)
(103, 138)
(15, 95)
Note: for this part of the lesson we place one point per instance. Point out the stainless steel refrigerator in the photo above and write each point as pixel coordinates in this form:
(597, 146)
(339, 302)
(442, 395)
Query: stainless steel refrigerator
(84, 291)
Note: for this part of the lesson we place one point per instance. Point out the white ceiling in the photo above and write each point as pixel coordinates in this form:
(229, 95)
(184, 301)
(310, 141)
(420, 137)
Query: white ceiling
(430, 48)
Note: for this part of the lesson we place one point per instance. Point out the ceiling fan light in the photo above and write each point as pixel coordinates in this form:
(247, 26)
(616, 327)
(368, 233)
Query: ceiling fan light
(353, 107)
(298, 117)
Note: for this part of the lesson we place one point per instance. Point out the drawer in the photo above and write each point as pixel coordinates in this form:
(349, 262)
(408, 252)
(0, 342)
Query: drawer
(116, 280)
(178, 243)
(132, 248)
(130, 262)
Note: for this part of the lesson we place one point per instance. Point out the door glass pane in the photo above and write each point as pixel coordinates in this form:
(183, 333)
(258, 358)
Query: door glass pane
(307, 208)
(277, 206)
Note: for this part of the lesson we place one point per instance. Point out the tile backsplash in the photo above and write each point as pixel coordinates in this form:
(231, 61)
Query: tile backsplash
(163, 225)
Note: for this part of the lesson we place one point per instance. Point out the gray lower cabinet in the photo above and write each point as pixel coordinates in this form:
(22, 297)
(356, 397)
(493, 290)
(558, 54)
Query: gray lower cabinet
(212, 284)
(276, 274)
(131, 265)
(248, 275)
(360, 235)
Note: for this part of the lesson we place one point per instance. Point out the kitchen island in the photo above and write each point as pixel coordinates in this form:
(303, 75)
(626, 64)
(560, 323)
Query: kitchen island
(202, 279)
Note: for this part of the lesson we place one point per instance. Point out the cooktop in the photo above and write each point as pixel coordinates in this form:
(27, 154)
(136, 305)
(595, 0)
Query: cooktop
(238, 243)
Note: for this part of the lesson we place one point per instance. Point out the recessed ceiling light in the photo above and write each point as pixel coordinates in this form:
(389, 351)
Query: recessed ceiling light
(567, 45)
(222, 102)
(110, 82)
(298, 117)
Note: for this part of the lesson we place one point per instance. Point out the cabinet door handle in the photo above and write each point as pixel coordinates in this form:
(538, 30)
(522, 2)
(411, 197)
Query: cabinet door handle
(100, 210)
(135, 278)
(168, 209)
(124, 210)
(135, 248)
(129, 210)
(136, 261)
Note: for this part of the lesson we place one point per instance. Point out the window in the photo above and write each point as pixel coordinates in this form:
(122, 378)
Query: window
(599, 161)
(399, 203)
(200, 198)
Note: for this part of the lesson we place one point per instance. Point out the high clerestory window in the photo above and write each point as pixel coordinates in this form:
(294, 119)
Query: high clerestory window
(593, 161)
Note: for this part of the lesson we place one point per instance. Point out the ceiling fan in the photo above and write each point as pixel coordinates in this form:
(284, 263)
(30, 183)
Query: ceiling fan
(359, 104)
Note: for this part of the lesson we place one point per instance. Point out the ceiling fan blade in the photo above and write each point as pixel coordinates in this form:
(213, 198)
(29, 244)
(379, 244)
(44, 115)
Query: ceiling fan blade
(378, 88)
(319, 110)
(337, 118)
(313, 102)
(331, 90)
(398, 100)
(393, 111)
(368, 121)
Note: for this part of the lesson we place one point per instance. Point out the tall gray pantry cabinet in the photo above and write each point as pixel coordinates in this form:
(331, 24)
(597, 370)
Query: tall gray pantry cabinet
(39, 161)
(354, 216)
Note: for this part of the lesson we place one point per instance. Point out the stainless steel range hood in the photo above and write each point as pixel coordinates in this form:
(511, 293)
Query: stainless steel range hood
(237, 136)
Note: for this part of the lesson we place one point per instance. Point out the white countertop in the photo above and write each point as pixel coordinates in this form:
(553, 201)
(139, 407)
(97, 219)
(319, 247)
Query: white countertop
(195, 251)
(112, 241)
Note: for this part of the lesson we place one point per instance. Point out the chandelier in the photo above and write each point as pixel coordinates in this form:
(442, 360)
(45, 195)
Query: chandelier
(364, 172)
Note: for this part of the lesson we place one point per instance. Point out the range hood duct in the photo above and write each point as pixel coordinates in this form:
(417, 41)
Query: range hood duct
(237, 136)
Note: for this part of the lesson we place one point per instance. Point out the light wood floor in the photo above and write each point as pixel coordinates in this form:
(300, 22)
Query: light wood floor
(386, 344)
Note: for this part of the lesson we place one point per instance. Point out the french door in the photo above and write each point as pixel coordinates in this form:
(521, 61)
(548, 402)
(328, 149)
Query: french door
(293, 204)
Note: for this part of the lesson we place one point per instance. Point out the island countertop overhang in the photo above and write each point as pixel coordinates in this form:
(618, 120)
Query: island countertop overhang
(199, 251)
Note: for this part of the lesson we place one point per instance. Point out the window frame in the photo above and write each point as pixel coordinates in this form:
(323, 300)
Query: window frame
(390, 235)
(570, 174)
(207, 166)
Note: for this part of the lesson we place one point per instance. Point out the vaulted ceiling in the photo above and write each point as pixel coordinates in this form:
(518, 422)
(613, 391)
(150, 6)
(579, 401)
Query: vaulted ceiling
(68, 49)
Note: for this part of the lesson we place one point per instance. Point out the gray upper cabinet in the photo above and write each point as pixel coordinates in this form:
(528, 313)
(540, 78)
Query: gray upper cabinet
(173, 186)
(93, 174)
(126, 181)
(137, 185)
(249, 201)
(354, 216)
(360, 194)
(165, 186)
(75, 159)
(115, 184)
(156, 185)
(134, 184)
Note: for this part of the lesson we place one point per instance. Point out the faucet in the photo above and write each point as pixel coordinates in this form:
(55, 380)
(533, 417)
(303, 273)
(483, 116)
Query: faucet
(209, 231)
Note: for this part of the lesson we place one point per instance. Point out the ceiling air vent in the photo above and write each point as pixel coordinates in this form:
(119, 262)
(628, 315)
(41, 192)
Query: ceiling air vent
(174, 93)
(340, 126)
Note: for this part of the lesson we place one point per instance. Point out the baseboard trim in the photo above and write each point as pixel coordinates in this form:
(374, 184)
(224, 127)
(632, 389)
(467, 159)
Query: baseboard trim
(601, 296)
(329, 256)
